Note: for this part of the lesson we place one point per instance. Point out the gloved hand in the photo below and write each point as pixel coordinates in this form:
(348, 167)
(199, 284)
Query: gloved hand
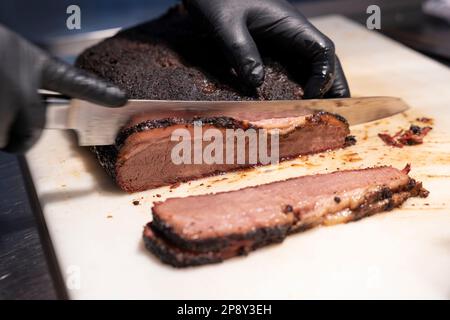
(278, 23)
(24, 69)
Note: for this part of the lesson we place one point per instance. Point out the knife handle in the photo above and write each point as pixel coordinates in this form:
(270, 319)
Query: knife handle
(58, 107)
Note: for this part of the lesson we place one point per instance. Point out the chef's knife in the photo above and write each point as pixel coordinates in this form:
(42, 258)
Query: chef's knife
(97, 125)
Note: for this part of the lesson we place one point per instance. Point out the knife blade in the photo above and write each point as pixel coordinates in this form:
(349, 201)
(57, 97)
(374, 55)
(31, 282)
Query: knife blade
(97, 125)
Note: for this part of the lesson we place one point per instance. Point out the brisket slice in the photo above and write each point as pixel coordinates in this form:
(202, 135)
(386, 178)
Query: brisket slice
(141, 158)
(210, 228)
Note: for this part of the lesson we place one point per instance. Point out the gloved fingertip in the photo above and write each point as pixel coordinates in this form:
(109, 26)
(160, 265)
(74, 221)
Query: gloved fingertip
(254, 76)
(114, 97)
(61, 77)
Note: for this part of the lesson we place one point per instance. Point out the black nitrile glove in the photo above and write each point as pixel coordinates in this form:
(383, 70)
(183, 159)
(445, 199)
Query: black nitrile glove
(279, 24)
(24, 69)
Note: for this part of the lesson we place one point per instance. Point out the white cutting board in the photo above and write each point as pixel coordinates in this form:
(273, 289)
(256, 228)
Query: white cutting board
(96, 230)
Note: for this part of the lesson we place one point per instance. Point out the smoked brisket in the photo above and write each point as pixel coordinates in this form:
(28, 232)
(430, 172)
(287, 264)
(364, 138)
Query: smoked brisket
(210, 228)
(170, 58)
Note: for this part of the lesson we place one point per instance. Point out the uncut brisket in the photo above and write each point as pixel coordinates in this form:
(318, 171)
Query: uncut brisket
(170, 58)
(210, 228)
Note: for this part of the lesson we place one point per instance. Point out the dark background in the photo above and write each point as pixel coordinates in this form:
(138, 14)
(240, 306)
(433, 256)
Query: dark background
(42, 19)
(28, 269)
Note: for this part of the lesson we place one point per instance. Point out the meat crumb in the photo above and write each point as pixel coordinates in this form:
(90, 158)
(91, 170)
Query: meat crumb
(158, 195)
(337, 199)
(413, 136)
(136, 202)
